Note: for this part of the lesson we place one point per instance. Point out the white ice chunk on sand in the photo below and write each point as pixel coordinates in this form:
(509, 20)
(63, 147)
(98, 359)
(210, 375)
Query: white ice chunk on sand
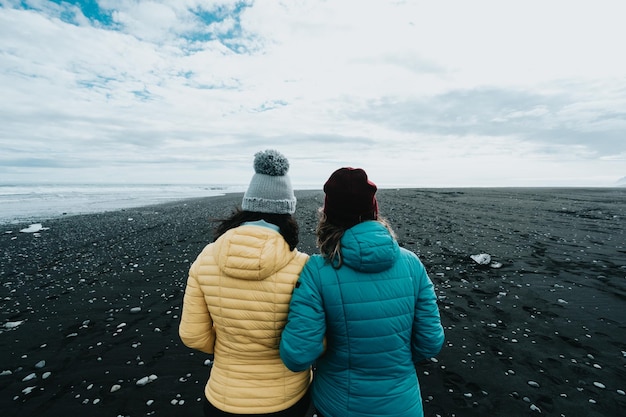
(34, 228)
(146, 380)
(485, 259)
(13, 324)
(481, 258)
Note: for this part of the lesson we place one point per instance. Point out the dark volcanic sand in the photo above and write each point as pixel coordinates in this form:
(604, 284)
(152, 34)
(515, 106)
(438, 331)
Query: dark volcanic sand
(545, 334)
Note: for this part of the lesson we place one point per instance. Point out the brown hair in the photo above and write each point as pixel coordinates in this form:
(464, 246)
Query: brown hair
(286, 223)
(329, 238)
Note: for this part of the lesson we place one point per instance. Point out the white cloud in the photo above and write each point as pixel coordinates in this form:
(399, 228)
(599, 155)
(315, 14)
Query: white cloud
(168, 90)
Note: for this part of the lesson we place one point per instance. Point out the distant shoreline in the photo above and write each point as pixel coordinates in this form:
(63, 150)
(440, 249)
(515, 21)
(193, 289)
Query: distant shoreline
(121, 204)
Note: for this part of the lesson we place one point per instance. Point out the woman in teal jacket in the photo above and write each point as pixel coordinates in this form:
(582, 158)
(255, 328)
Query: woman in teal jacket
(364, 311)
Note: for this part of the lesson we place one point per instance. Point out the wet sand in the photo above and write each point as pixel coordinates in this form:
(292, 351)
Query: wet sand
(90, 304)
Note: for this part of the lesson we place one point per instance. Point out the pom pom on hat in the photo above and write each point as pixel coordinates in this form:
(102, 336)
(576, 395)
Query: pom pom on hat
(350, 197)
(270, 189)
(270, 162)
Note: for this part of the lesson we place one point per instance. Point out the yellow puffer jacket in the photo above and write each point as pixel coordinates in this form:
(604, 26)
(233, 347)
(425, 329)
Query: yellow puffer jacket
(235, 306)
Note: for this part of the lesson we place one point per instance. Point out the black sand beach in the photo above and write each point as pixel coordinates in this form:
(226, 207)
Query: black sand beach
(90, 306)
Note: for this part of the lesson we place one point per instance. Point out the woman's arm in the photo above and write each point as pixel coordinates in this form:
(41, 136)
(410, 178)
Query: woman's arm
(302, 340)
(428, 335)
(196, 326)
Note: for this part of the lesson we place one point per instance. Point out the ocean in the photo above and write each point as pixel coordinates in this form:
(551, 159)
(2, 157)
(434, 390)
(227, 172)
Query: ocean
(37, 202)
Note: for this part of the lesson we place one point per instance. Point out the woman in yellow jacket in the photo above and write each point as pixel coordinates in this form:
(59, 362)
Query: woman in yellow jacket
(237, 298)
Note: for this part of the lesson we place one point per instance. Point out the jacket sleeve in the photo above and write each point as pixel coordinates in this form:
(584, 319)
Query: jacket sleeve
(302, 340)
(428, 336)
(196, 326)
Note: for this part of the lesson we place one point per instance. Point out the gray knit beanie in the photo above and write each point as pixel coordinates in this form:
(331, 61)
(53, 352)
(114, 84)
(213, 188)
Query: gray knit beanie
(270, 188)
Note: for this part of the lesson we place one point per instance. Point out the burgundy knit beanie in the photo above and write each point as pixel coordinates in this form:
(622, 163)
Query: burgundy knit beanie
(350, 197)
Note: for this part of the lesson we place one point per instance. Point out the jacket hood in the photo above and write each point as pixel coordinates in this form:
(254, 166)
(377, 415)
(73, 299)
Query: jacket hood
(369, 247)
(252, 252)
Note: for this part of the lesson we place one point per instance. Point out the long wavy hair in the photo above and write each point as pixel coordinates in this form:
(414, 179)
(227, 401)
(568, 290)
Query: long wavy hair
(329, 238)
(287, 224)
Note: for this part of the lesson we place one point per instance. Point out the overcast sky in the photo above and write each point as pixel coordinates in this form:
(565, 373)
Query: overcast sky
(418, 93)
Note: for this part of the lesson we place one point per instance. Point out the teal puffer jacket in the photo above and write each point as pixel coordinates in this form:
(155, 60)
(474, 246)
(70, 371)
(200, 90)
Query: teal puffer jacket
(365, 326)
